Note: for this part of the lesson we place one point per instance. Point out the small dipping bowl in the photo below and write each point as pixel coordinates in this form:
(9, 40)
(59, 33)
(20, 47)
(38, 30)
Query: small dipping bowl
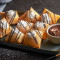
(55, 36)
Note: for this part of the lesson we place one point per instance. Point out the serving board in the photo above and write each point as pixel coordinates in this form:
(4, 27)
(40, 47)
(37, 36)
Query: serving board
(47, 47)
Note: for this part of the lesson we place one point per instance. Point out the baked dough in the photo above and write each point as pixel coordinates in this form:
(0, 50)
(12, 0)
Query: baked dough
(49, 17)
(24, 26)
(30, 16)
(15, 36)
(11, 16)
(33, 38)
(5, 28)
(42, 27)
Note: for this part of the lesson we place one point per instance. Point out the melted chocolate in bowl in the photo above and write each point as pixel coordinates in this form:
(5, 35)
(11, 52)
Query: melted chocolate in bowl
(55, 30)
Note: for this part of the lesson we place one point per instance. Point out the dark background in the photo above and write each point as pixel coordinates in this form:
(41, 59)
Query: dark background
(23, 5)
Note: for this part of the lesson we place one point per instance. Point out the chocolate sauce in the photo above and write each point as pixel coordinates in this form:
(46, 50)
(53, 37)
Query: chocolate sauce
(55, 30)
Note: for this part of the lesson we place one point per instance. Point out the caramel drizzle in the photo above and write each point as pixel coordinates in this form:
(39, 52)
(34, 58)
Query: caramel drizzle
(33, 36)
(12, 18)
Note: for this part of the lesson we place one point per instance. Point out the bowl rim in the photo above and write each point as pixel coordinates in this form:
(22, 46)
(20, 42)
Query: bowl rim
(49, 28)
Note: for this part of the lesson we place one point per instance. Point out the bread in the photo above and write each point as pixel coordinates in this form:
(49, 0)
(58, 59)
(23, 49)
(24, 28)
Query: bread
(15, 36)
(30, 16)
(24, 26)
(5, 28)
(42, 27)
(11, 16)
(33, 39)
(49, 17)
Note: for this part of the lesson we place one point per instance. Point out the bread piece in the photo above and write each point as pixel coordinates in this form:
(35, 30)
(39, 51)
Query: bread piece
(42, 27)
(30, 16)
(49, 17)
(11, 16)
(24, 26)
(33, 38)
(15, 36)
(5, 28)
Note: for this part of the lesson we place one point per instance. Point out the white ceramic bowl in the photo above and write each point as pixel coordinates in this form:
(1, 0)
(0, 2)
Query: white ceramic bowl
(53, 39)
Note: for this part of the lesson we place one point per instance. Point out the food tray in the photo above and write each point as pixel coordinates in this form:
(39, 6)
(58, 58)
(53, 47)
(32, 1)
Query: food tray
(47, 47)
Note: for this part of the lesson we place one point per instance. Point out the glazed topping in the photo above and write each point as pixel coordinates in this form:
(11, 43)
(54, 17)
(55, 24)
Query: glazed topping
(11, 13)
(32, 33)
(39, 25)
(31, 15)
(45, 18)
(55, 30)
(4, 24)
(15, 30)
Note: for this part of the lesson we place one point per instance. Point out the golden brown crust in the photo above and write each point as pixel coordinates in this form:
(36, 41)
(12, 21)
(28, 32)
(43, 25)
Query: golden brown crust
(54, 17)
(15, 37)
(27, 16)
(34, 40)
(4, 32)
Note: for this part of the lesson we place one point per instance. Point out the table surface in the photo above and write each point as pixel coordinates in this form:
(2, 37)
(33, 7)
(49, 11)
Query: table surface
(23, 5)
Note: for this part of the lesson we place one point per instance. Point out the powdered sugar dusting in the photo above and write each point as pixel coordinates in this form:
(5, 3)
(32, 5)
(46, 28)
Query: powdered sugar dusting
(31, 15)
(4, 24)
(39, 25)
(45, 18)
(24, 23)
(10, 13)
